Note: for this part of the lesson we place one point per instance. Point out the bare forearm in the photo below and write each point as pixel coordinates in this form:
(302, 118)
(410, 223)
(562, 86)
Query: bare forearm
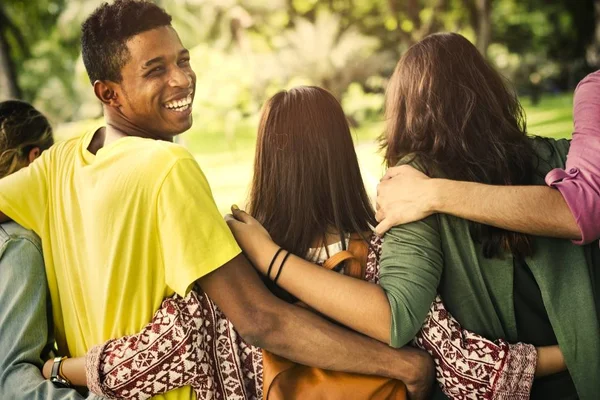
(319, 343)
(536, 210)
(550, 361)
(71, 368)
(360, 305)
(74, 370)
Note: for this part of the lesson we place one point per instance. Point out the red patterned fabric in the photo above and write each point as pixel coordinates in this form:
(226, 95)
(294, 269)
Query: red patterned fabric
(469, 366)
(191, 342)
(188, 342)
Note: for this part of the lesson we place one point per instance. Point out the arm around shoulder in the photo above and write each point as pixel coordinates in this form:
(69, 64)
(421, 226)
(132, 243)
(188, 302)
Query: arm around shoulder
(302, 336)
(406, 195)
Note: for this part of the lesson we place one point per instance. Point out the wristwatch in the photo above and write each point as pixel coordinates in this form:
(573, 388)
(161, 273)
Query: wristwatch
(56, 376)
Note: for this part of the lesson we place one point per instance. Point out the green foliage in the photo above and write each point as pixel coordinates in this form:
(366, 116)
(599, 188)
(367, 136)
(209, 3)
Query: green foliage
(544, 40)
(246, 50)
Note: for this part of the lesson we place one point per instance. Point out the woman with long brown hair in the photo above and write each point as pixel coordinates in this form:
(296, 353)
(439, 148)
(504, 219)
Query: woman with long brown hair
(451, 115)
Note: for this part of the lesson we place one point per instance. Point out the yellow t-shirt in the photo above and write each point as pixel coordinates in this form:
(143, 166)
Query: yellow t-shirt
(120, 231)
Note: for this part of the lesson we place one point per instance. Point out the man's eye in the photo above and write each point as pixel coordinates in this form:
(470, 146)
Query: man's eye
(155, 70)
(184, 61)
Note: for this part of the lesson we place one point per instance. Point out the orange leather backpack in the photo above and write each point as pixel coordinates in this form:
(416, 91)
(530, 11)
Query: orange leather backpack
(286, 380)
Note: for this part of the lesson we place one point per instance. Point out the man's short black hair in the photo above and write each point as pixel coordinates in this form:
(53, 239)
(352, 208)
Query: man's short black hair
(105, 32)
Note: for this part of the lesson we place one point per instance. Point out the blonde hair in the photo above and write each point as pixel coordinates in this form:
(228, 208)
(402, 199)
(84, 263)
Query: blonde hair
(22, 128)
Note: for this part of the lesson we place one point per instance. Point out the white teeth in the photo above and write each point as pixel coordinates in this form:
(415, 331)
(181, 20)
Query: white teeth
(179, 105)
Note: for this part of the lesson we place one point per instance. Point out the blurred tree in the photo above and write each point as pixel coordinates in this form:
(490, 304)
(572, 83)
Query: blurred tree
(480, 19)
(332, 43)
(549, 39)
(328, 56)
(41, 56)
(9, 34)
(593, 51)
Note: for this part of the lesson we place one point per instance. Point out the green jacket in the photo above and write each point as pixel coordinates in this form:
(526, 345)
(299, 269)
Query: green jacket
(438, 254)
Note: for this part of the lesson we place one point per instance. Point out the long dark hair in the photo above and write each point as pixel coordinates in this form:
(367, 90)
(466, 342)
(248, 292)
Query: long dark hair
(449, 108)
(306, 174)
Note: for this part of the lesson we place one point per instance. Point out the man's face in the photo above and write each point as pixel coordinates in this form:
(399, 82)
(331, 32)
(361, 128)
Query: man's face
(157, 89)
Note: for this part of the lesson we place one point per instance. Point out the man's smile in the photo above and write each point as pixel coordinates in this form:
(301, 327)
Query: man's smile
(181, 104)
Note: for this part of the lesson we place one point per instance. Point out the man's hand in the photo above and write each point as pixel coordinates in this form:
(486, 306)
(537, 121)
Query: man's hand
(404, 195)
(422, 379)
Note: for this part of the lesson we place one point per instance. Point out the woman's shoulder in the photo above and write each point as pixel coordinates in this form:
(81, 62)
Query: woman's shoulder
(415, 161)
(551, 152)
(13, 232)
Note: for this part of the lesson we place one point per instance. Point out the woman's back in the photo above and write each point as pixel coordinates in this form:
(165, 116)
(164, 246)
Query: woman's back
(440, 253)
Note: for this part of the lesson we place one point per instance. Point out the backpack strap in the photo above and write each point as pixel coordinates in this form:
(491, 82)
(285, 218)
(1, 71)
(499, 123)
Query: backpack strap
(337, 259)
(356, 257)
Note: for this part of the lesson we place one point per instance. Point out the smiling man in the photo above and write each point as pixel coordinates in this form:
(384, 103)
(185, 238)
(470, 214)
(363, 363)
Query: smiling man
(127, 217)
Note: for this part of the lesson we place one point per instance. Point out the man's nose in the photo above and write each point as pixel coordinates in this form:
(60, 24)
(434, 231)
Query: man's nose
(180, 78)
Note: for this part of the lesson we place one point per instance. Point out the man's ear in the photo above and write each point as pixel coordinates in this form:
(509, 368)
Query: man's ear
(33, 154)
(106, 92)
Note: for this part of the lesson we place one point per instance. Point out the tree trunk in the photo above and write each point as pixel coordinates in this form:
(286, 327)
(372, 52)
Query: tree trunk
(593, 51)
(9, 88)
(484, 25)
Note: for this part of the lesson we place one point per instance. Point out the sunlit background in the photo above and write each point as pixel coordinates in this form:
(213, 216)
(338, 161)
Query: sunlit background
(243, 51)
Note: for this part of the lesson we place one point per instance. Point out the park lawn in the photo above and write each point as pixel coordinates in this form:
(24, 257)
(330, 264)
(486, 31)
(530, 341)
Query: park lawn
(228, 162)
(553, 117)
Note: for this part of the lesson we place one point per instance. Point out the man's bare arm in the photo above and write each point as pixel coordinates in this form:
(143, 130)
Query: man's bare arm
(536, 210)
(302, 336)
(407, 195)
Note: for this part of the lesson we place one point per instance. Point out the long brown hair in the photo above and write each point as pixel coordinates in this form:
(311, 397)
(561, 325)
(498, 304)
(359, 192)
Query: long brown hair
(306, 174)
(450, 109)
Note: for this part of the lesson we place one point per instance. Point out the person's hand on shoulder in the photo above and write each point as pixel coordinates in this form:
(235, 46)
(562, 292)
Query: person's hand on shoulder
(404, 195)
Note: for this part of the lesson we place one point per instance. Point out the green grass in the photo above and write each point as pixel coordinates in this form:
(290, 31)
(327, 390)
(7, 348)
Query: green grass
(553, 117)
(228, 161)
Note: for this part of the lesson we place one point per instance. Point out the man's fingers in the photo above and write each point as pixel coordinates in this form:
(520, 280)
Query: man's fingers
(392, 172)
(379, 215)
(383, 227)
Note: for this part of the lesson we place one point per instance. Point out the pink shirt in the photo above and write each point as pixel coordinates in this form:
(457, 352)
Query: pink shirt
(579, 182)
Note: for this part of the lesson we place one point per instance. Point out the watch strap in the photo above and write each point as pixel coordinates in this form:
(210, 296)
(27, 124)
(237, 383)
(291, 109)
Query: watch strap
(56, 375)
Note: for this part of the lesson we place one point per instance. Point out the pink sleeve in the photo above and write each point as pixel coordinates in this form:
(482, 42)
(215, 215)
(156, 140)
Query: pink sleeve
(470, 366)
(162, 357)
(579, 182)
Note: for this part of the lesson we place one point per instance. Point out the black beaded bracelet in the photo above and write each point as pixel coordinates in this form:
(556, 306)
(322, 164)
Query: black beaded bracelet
(273, 262)
(281, 267)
